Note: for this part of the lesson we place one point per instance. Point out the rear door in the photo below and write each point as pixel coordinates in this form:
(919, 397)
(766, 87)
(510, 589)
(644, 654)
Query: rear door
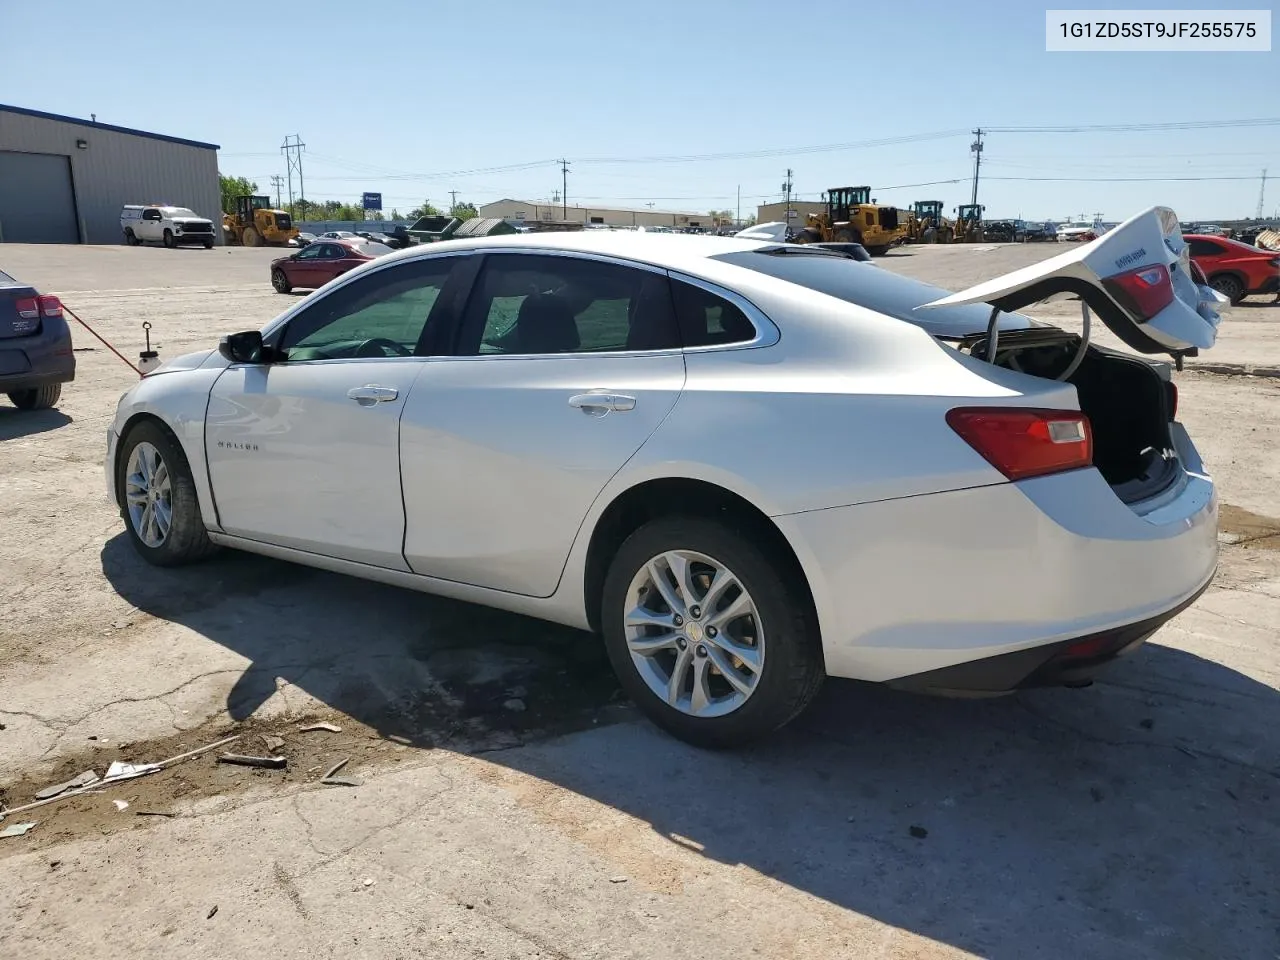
(571, 363)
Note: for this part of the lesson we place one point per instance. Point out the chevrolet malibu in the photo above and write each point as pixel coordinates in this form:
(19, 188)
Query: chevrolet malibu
(746, 464)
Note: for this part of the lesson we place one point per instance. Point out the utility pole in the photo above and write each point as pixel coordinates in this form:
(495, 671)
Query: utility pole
(292, 149)
(786, 191)
(976, 149)
(737, 213)
(453, 201)
(564, 192)
(277, 181)
(1262, 195)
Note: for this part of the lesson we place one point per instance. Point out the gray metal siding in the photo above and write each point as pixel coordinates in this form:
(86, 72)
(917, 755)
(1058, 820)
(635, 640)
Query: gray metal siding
(116, 168)
(37, 204)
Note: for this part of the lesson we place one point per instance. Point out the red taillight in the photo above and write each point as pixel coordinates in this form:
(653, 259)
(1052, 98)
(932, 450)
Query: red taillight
(50, 306)
(1023, 443)
(1143, 292)
(28, 308)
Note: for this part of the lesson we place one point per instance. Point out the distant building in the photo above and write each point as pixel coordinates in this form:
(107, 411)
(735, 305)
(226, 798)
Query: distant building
(64, 180)
(519, 210)
(800, 210)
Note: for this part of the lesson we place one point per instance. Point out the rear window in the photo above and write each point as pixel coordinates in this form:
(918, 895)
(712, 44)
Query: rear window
(5, 278)
(707, 319)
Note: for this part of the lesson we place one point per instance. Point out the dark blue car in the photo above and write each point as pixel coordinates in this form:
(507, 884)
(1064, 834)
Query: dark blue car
(35, 346)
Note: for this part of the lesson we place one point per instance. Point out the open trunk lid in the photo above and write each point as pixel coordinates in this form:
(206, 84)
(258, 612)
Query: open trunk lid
(1136, 278)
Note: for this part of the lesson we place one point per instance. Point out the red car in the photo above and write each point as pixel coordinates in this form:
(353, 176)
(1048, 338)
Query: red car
(317, 263)
(1235, 269)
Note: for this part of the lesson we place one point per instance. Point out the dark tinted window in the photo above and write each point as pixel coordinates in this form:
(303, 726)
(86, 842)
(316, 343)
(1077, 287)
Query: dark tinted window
(334, 251)
(707, 319)
(1203, 248)
(383, 314)
(534, 304)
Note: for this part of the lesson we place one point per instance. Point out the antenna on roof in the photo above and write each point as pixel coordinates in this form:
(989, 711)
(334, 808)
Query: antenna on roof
(93, 118)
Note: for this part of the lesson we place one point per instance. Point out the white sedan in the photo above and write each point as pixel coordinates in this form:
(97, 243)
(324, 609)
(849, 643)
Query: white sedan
(747, 464)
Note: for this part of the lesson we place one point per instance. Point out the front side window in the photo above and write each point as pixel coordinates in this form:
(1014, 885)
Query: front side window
(311, 251)
(383, 314)
(536, 304)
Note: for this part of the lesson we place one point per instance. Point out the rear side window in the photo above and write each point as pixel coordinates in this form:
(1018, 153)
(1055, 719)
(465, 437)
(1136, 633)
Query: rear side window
(1203, 248)
(707, 319)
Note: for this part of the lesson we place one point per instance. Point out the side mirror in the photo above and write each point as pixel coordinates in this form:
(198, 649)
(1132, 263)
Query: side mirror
(243, 347)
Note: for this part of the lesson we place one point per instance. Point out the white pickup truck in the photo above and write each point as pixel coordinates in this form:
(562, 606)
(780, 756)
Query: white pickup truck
(172, 226)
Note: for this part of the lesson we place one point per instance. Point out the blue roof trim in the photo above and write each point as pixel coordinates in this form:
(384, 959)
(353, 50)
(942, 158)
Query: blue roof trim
(24, 111)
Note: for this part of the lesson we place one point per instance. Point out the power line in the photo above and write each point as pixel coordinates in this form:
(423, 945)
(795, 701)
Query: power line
(1121, 179)
(1144, 127)
(780, 151)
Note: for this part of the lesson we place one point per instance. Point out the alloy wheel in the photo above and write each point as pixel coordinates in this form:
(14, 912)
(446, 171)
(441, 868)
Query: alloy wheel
(148, 494)
(694, 633)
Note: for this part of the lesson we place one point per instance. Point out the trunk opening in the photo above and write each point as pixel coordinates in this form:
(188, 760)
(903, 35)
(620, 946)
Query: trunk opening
(1128, 401)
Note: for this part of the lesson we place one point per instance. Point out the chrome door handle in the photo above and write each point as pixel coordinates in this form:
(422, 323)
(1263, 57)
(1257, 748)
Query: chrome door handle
(371, 393)
(598, 404)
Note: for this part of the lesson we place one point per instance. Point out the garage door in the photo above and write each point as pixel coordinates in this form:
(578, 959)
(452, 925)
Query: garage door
(37, 204)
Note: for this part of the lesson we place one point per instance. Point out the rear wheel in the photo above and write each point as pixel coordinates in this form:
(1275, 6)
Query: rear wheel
(1229, 286)
(130, 239)
(280, 281)
(846, 235)
(37, 398)
(168, 239)
(808, 235)
(714, 640)
(251, 238)
(158, 498)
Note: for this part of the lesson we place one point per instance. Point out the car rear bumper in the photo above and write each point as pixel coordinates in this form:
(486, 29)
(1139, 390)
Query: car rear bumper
(917, 585)
(41, 372)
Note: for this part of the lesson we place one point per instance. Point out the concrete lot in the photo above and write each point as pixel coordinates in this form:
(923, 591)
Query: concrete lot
(1137, 818)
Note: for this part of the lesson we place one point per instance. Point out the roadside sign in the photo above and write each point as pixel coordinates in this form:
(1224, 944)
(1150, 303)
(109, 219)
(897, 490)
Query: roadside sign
(372, 201)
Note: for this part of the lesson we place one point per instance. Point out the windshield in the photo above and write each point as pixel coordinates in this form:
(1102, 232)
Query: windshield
(181, 212)
(876, 289)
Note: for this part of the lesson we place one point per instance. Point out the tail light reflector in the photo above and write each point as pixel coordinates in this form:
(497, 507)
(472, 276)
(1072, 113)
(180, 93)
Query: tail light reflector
(27, 307)
(50, 306)
(1023, 443)
(1143, 292)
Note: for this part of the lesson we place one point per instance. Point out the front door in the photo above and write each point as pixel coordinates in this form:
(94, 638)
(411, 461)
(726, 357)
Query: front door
(304, 451)
(571, 364)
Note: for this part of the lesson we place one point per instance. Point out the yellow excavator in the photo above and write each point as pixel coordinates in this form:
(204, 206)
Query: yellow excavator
(853, 217)
(928, 225)
(969, 223)
(255, 223)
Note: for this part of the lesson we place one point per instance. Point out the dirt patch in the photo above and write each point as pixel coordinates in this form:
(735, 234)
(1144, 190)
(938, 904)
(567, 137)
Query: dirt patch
(486, 699)
(1243, 528)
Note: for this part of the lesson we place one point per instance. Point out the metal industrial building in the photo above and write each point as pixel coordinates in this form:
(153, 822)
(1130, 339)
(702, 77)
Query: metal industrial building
(800, 210)
(518, 210)
(64, 180)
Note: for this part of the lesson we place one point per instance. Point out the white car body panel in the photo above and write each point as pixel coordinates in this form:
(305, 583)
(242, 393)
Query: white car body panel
(499, 470)
(919, 554)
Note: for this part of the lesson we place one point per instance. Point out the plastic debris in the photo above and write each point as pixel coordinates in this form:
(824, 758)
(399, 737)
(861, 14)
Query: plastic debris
(515, 705)
(121, 804)
(918, 832)
(15, 830)
(336, 767)
(368, 882)
(212, 911)
(83, 780)
(153, 813)
(273, 744)
(341, 782)
(240, 760)
(127, 771)
(329, 727)
(617, 879)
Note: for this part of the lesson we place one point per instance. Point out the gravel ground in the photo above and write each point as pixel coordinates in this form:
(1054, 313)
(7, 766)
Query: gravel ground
(1134, 819)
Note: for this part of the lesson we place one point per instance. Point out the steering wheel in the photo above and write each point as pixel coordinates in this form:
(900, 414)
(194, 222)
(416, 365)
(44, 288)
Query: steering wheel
(379, 347)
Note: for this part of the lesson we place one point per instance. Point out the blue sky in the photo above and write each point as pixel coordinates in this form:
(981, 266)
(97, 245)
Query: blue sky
(410, 98)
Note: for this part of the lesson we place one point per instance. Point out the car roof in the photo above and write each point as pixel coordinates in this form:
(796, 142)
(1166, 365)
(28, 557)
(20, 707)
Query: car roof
(668, 250)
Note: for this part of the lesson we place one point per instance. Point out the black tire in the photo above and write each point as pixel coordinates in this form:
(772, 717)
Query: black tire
(280, 281)
(1229, 286)
(793, 667)
(37, 398)
(808, 235)
(879, 250)
(187, 540)
(130, 239)
(168, 239)
(846, 235)
(208, 244)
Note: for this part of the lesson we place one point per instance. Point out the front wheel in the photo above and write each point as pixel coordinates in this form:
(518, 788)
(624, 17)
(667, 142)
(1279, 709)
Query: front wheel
(168, 239)
(208, 244)
(250, 237)
(712, 638)
(158, 498)
(280, 281)
(37, 398)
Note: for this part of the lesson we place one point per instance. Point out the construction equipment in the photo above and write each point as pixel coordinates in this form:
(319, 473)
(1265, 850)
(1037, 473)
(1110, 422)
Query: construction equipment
(926, 224)
(852, 216)
(969, 223)
(255, 223)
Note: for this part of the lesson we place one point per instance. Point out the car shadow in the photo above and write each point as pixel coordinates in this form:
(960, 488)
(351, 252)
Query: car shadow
(1136, 818)
(15, 423)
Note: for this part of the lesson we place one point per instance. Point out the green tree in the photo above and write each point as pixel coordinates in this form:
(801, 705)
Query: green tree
(232, 187)
(395, 214)
(464, 211)
(428, 209)
(721, 216)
